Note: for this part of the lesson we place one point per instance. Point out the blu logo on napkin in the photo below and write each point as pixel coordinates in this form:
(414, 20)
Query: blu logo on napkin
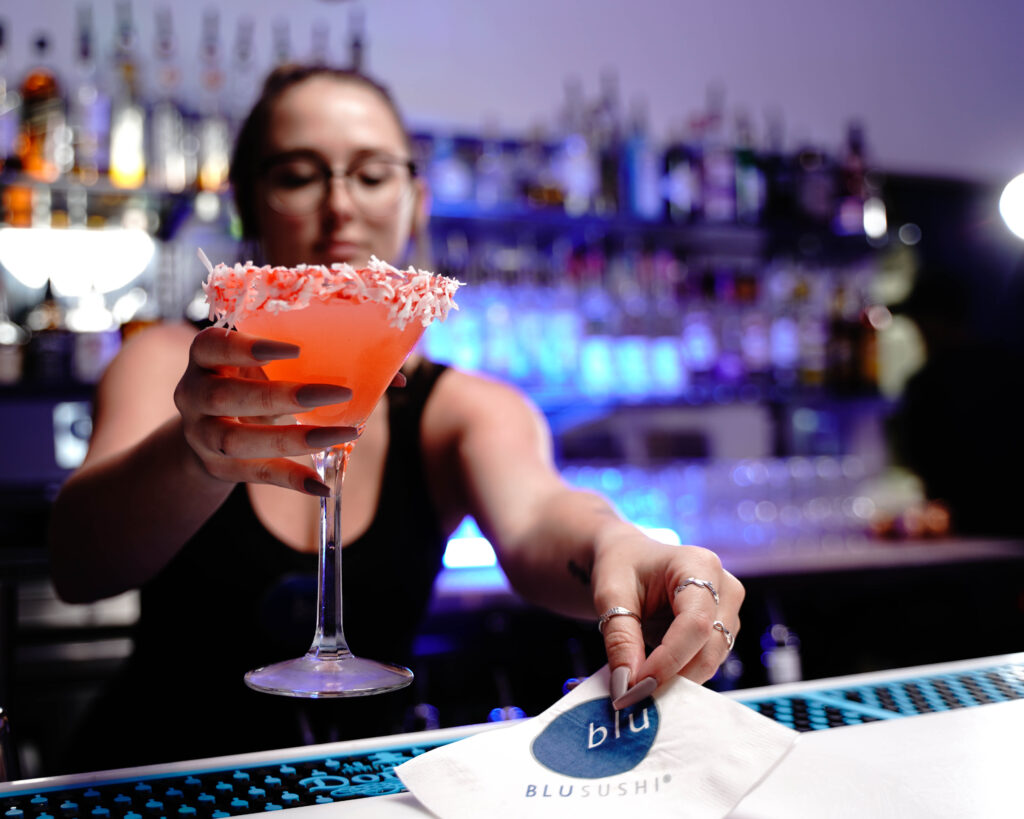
(594, 740)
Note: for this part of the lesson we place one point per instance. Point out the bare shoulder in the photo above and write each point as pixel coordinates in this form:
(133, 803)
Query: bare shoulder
(148, 361)
(166, 340)
(468, 414)
(462, 398)
(136, 393)
(487, 442)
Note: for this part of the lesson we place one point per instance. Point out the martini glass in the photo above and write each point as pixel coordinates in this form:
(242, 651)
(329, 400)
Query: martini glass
(352, 342)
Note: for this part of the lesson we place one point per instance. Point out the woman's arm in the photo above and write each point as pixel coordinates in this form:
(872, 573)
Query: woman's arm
(179, 419)
(570, 551)
(140, 492)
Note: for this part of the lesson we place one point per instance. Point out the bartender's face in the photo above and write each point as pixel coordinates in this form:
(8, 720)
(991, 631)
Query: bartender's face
(323, 123)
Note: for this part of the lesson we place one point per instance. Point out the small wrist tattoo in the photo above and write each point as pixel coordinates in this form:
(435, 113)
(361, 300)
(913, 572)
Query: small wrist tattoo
(579, 572)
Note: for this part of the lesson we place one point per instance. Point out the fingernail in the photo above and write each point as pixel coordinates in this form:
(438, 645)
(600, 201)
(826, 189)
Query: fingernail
(268, 350)
(328, 436)
(314, 487)
(641, 691)
(319, 395)
(399, 380)
(620, 682)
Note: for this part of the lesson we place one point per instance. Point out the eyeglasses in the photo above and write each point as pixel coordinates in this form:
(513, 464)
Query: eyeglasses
(298, 183)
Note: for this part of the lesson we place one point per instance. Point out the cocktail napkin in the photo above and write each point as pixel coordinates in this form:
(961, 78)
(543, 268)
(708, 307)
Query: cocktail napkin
(686, 752)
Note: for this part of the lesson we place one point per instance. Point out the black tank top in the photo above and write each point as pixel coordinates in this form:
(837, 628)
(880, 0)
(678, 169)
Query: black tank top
(235, 598)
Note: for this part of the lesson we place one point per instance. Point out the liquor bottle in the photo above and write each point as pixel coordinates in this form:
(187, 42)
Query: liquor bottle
(841, 374)
(574, 164)
(730, 367)
(13, 339)
(852, 184)
(127, 117)
(168, 166)
(214, 147)
(95, 337)
(282, 41)
(10, 105)
(451, 177)
(700, 339)
(50, 346)
(781, 654)
(356, 40)
(755, 330)
(784, 331)
(681, 190)
(244, 77)
(492, 172)
(750, 186)
(534, 174)
(815, 186)
(605, 138)
(601, 317)
(320, 43)
(89, 105)
(812, 329)
(628, 275)
(44, 142)
(669, 375)
(718, 164)
(639, 178)
(562, 329)
(779, 175)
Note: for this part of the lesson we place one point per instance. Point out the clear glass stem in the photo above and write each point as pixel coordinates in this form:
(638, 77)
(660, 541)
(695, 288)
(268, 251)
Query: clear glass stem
(329, 640)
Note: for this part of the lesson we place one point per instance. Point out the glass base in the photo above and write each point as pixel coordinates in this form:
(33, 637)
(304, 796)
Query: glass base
(315, 677)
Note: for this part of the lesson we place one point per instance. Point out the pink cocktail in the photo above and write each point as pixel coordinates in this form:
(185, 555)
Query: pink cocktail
(354, 328)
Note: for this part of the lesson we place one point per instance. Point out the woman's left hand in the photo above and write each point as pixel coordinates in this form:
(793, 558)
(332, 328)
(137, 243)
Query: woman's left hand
(687, 604)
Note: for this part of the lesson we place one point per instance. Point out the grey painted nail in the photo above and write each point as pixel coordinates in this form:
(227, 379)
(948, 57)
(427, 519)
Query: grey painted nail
(620, 682)
(314, 487)
(319, 395)
(329, 436)
(641, 691)
(268, 350)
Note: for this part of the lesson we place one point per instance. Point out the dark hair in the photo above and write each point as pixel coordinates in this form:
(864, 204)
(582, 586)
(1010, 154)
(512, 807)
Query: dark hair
(250, 144)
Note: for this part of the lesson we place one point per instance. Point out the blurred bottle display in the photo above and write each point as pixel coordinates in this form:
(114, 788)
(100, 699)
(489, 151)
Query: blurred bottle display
(592, 161)
(620, 322)
(619, 309)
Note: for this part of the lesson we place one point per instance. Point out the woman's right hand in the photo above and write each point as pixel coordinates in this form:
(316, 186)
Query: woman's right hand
(239, 424)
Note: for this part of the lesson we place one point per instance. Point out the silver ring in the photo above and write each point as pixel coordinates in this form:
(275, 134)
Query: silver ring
(696, 581)
(718, 625)
(615, 611)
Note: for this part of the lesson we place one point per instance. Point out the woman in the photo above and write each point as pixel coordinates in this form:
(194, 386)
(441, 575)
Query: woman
(214, 518)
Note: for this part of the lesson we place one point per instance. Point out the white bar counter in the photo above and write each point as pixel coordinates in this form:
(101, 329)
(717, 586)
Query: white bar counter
(962, 760)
